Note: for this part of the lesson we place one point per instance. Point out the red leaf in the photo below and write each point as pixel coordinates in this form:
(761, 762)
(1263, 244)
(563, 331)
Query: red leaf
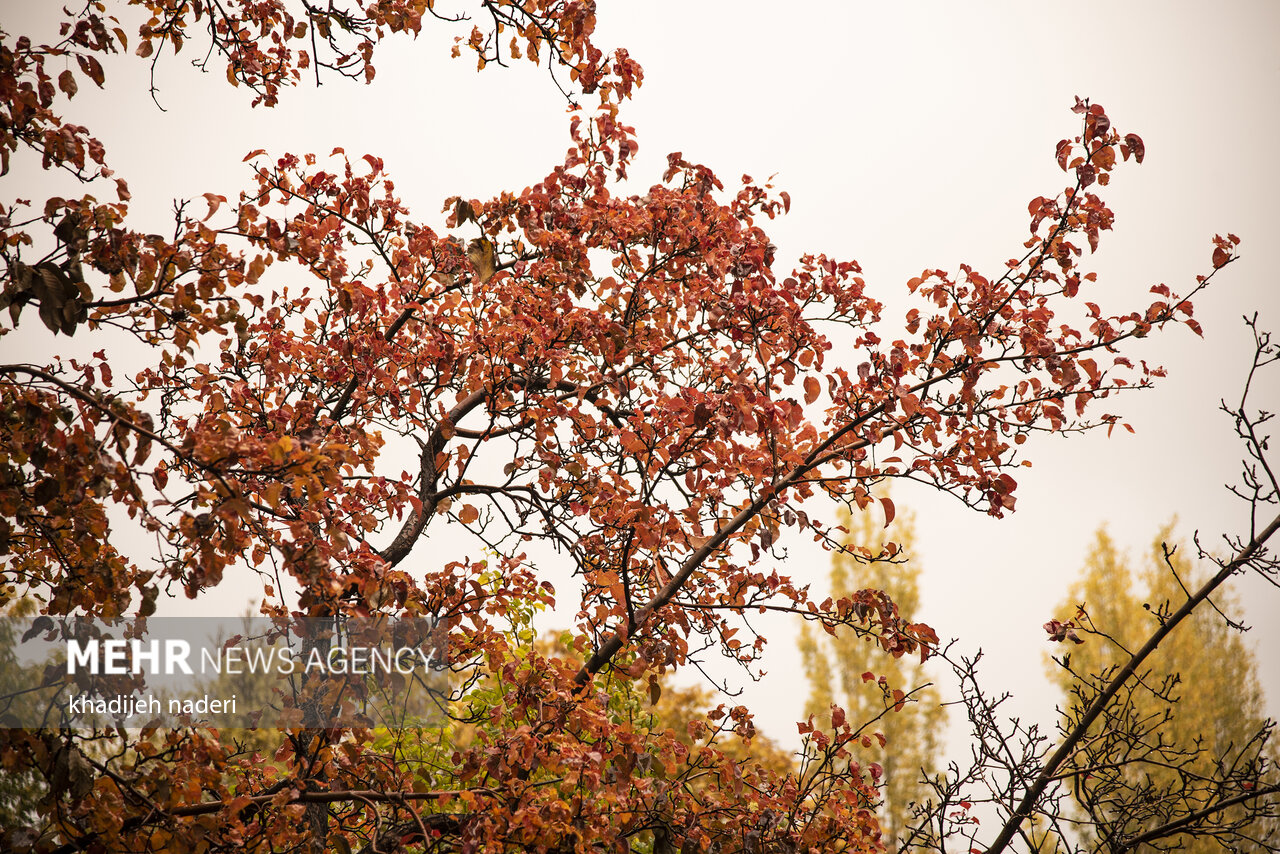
(1099, 123)
(889, 510)
(1135, 145)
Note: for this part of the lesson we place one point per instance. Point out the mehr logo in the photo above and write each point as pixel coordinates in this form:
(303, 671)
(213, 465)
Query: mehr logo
(116, 660)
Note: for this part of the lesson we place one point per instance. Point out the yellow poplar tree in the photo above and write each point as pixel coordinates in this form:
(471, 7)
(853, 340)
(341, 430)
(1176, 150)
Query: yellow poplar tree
(1194, 715)
(836, 664)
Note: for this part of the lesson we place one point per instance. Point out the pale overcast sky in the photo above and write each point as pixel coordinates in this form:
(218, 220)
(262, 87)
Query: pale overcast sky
(909, 135)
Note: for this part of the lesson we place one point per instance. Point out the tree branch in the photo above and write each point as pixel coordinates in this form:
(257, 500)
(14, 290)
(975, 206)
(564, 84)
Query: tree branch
(1026, 806)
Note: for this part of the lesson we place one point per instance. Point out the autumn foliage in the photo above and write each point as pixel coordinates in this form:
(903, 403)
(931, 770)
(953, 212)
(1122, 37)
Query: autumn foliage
(622, 392)
(1190, 730)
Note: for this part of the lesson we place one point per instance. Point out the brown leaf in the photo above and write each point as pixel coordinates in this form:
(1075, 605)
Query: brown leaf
(45, 492)
(70, 232)
(54, 291)
(463, 212)
(92, 68)
(483, 257)
(67, 83)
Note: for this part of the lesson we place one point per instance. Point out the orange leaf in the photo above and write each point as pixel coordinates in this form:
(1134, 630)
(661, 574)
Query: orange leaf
(811, 389)
(215, 201)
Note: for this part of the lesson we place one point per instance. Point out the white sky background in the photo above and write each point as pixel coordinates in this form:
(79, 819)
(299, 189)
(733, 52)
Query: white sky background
(909, 136)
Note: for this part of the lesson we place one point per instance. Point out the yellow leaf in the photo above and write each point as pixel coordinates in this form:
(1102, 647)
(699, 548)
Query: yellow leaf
(483, 257)
(272, 494)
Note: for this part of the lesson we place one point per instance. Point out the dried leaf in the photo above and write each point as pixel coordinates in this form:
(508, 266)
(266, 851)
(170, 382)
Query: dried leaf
(67, 83)
(463, 212)
(889, 510)
(483, 257)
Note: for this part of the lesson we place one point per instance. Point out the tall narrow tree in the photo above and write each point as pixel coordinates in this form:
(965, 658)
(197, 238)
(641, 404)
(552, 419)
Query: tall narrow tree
(1193, 719)
(846, 669)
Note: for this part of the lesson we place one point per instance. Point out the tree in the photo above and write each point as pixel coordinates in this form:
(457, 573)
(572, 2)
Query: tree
(622, 384)
(21, 789)
(1117, 778)
(1196, 712)
(843, 667)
